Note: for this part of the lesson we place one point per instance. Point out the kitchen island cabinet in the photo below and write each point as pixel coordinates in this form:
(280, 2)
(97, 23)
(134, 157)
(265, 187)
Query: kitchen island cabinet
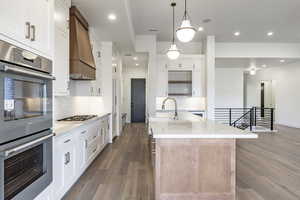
(194, 158)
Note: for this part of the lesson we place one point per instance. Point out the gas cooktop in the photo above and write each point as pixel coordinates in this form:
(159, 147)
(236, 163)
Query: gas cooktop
(78, 118)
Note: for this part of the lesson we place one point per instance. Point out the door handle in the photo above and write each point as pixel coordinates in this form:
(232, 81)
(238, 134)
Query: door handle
(27, 36)
(24, 146)
(32, 27)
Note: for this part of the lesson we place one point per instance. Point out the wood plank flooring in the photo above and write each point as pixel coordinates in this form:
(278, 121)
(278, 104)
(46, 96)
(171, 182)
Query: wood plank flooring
(267, 168)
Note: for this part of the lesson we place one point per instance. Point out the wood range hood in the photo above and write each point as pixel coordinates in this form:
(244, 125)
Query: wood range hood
(82, 64)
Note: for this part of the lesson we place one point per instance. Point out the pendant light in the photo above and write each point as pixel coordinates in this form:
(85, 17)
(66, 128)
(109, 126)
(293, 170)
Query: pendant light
(173, 53)
(186, 32)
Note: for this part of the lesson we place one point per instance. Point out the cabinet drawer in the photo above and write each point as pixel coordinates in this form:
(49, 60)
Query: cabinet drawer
(65, 140)
(92, 150)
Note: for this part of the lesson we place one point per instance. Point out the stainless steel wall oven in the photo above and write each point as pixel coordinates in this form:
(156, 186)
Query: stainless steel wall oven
(25, 123)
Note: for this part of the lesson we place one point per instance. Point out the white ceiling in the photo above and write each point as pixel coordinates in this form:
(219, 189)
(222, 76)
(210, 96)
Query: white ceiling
(245, 62)
(253, 18)
(142, 60)
(121, 31)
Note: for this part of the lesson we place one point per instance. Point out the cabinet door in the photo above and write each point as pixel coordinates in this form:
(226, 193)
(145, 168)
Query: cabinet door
(61, 48)
(107, 126)
(61, 64)
(41, 21)
(81, 147)
(197, 83)
(13, 15)
(64, 166)
(162, 80)
(61, 15)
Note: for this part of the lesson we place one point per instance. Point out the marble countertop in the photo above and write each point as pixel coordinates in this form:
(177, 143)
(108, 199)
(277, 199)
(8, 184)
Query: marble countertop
(62, 127)
(191, 126)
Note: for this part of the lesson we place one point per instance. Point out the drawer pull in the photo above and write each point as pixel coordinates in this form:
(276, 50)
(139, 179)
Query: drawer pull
(83, 132)
(69, 140)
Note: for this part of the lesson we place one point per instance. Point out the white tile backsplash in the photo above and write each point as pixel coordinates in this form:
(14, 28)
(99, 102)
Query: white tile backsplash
(183, 103)
(69, 105)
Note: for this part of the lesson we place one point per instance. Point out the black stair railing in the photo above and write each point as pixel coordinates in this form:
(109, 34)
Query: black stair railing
(244, 118)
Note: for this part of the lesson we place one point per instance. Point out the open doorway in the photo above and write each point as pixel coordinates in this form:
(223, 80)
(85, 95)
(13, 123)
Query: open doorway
(138, 100)
(267, 99)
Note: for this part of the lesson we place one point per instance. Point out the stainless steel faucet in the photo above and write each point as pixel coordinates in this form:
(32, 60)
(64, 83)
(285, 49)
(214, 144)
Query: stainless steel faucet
(175, 102)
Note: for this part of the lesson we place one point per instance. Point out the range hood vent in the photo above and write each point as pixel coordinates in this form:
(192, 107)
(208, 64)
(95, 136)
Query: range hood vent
(82, 64)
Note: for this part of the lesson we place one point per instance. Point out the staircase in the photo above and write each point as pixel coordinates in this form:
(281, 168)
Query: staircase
(254, 119)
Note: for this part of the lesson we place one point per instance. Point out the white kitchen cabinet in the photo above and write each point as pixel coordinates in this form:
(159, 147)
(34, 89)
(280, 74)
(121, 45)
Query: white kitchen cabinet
(81, 145)
(74, 152)
(61, 48)
(162, 79)
(64, 164)
(14, 20)
(193, 63)
(197, 83)
(30, 23)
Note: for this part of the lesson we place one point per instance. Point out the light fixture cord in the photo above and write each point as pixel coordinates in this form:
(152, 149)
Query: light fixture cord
(185, 11)
(173, 4)
(173, 23)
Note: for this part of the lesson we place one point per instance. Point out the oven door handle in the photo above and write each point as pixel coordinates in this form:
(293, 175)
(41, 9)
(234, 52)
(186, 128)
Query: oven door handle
(21, 147)
(22, 71)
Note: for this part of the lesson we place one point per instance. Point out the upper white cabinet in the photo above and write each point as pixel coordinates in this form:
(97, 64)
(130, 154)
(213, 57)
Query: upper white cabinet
(28, 23)
(61, 48)
(191, 85)
(162, 76)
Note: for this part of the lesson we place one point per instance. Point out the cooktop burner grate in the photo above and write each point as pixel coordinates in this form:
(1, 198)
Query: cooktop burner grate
(78, 118)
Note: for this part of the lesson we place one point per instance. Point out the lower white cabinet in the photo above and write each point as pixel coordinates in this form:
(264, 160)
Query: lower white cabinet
(73, 152)
(81, 144)
(64, 163)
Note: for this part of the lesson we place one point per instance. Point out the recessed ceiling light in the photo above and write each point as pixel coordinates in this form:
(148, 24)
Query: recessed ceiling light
(282, 60)
(237, 33)
(270, 33)
(112, 17)
(200, 28)
(264, 66)
(137, 64)
(135, 58)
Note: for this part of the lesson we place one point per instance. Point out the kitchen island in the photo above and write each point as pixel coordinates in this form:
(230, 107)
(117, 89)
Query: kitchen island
(195, 159)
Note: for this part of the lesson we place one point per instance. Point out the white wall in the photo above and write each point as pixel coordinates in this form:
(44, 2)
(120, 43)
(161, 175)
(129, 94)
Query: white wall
(183, 103)
(257, 50)
(229, 88)
(286, 92)
(130, 72)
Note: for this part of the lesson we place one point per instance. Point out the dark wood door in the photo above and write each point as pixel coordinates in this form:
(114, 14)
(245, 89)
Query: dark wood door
(138, 98)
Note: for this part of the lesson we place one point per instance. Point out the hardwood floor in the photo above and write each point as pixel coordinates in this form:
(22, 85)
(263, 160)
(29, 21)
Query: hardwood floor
(267, 168)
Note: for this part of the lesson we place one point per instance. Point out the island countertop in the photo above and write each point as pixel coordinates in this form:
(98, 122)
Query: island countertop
(190, 126)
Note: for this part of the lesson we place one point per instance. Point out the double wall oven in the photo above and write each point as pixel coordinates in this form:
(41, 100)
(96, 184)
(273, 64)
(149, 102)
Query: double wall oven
(25, 123)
